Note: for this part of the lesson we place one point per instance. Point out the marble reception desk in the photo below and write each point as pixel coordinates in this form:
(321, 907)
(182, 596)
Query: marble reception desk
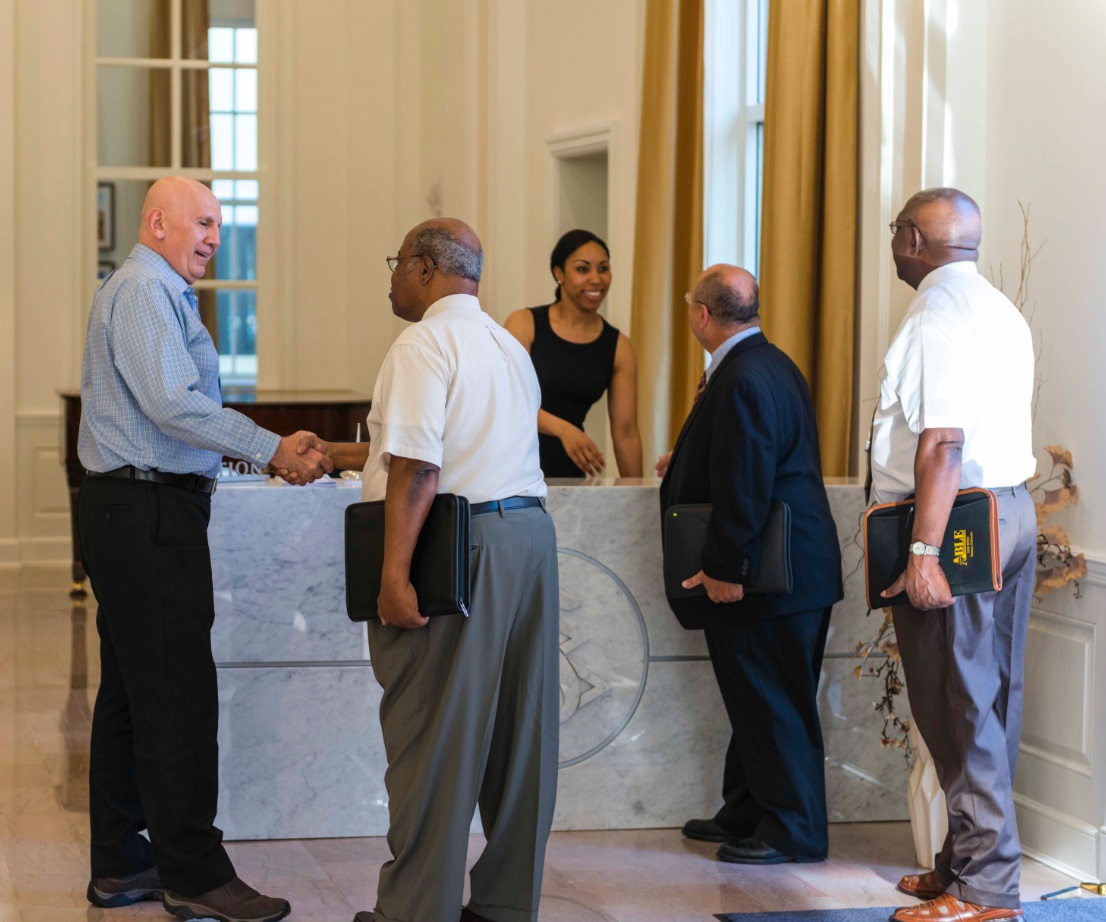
(643, 730)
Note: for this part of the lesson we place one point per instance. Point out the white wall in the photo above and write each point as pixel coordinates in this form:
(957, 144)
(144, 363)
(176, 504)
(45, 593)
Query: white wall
(1045, 88)
(1001, 99)
(9, 547)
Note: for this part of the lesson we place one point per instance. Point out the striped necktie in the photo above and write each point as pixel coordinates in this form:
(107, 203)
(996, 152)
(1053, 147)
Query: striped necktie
(699, 390)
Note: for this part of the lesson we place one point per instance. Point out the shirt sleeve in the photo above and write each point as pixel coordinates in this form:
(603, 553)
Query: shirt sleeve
(414, 384)
(151, 355)
(946, 386)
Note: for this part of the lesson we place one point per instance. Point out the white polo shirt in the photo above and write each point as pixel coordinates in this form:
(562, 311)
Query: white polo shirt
(457, 390)
(963, 359)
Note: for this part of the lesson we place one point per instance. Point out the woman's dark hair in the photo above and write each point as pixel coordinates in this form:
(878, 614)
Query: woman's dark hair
(566, 246)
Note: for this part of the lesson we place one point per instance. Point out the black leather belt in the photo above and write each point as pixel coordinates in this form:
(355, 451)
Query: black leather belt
(194, 482)
(502, 505)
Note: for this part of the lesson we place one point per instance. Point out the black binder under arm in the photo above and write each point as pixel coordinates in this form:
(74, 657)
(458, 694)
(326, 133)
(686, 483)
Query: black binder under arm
(439, 567)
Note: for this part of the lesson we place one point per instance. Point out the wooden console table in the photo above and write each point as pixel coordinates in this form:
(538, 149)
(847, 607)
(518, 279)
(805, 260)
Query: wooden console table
(331, 414)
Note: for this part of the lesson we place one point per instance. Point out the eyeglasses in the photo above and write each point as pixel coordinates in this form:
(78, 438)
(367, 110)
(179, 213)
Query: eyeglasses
(690, 298)
(394, 261)
(895, 225)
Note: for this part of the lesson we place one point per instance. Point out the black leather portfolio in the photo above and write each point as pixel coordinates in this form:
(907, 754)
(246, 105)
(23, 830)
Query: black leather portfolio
(970, 556)
(685, 533)
(439, 568)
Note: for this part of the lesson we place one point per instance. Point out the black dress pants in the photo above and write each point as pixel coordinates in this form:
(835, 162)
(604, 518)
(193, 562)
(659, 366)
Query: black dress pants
(154, 757)
(774, 784)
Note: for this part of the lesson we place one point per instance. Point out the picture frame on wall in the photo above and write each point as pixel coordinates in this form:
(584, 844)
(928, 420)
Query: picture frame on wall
(104, 268)
(105, 216)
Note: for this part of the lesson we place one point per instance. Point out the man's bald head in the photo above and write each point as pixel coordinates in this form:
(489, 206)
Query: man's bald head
(947, 218)
(453, 246)
(730, 293)
(181, 219)
(437, 258)
(935, 227)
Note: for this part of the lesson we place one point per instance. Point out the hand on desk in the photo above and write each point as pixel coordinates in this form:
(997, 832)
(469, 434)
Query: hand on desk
(585, 454)
(302, 458)
(662, 464)
(717, 590)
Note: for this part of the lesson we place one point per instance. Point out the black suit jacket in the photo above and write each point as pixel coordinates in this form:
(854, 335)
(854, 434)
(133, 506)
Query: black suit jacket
(749, 440)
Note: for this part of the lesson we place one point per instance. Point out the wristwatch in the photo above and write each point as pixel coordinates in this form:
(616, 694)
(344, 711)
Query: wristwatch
(921, 549)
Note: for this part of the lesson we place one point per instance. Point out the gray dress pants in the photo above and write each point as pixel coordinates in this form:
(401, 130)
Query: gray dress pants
(470, 715)
(964, 673)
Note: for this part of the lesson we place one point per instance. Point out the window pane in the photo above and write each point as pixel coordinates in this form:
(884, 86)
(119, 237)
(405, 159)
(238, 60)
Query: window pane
(119, 211)
(132, 28)
(221, 86)
(202, 18)
(237, 336)
(245, 142)
(247, 190)
(221, 45)
(223, 189)
(245, 99)
(133, 112)
(222, 142)
(246, 51)
(236, 258)
(762, 49)
(759, 194)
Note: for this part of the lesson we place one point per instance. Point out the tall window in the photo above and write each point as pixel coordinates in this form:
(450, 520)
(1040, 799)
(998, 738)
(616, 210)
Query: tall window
(734, 124)
(177, 93)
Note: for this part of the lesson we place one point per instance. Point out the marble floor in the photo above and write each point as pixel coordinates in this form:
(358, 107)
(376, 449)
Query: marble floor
(48, 677)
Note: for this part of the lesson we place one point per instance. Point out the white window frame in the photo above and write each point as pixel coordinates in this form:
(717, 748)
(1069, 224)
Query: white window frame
(732, 115)
(176, 64)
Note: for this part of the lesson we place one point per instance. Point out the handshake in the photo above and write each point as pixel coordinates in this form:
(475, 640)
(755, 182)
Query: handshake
(302, 458)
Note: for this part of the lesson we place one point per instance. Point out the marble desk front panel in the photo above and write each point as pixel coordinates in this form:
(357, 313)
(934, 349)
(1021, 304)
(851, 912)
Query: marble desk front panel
(643, 731)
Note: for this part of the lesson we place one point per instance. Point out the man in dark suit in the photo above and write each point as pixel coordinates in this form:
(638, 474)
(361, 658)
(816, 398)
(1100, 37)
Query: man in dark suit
(750, 439)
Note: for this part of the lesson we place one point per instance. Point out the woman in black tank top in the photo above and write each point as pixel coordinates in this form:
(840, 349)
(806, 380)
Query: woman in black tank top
(577, 356)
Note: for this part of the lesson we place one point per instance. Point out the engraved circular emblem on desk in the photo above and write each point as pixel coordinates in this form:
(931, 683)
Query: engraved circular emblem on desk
(604, 656)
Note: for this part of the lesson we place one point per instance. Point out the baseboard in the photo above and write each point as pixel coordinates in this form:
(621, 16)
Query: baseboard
(50, 551)
(9, 554)
(1057, 839)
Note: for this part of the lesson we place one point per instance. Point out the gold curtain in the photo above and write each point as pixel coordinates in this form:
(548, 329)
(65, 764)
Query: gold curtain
(195, 110)
(668, 236)
(808, 235)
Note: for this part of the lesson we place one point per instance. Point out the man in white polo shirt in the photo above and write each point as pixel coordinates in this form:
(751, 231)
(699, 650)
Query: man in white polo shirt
(470, 710)
(955, 412)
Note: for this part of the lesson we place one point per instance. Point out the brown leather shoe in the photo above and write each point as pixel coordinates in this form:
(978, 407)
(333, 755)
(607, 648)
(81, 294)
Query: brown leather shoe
(927, 886)
(235, 901)
(112, 892)
(947, 908)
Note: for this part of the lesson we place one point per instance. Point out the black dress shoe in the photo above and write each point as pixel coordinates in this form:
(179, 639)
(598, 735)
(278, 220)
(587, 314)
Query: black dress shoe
(752, 851)
(365, 915)
(708, 831)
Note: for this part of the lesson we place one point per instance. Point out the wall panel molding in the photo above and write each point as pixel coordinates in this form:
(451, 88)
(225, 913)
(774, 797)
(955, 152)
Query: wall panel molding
(1058, 840)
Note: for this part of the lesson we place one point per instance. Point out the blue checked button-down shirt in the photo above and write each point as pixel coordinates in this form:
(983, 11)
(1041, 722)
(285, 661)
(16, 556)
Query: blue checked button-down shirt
(150, 382)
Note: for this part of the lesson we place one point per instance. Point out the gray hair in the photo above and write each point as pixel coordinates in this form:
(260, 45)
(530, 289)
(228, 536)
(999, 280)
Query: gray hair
(451, 255)
(725, 303)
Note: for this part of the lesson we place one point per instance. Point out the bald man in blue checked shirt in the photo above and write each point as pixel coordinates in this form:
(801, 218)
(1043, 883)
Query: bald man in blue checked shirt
(153, 433)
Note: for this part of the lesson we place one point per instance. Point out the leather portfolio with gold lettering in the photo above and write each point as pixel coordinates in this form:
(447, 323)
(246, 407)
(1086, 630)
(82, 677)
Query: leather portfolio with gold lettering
(969, 557)
(685, 533)
(439, 567)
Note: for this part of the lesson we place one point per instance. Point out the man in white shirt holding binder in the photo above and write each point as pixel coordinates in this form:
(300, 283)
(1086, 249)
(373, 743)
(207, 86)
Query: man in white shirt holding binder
(955, 412)
(470, 711)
